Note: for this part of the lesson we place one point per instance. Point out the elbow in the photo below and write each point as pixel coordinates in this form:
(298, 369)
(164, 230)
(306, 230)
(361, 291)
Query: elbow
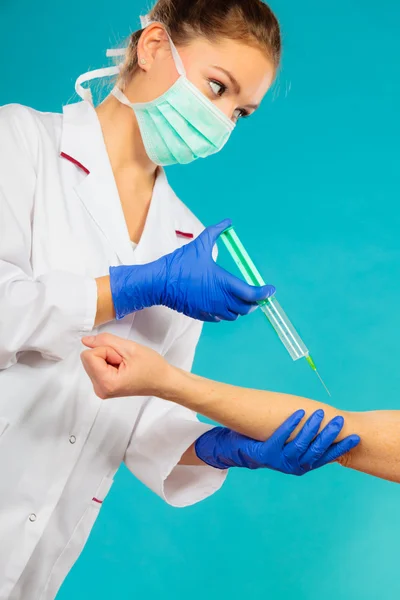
(7, 361)
(9, 356)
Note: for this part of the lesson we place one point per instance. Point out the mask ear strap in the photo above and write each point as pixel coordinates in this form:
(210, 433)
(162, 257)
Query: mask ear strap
(113, 52)
(85, 93)
(145, 21)
(120, 96)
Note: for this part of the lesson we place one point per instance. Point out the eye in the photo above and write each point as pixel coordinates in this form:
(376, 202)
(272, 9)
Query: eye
(240, 113)
(217, 87)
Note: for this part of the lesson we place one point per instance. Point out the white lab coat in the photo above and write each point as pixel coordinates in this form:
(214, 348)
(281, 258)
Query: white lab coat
(61, 226)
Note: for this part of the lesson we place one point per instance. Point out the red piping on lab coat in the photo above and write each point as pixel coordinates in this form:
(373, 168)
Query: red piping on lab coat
(183, 234)
(95, 500)
(189, 236)
(75, 162)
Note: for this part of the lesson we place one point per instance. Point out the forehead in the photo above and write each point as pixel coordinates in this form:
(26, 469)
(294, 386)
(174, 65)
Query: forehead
(252, 68)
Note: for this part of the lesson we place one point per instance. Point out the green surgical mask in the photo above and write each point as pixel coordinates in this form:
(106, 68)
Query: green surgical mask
(182, 124)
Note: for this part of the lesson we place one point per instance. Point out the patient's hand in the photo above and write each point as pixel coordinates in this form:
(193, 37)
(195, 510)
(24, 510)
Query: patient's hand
(118, 367)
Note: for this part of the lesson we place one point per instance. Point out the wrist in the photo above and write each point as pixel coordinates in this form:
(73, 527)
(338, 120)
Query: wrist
(134, 287)
(184, 388)
(169, 383)
(105, 311)
(208, 448)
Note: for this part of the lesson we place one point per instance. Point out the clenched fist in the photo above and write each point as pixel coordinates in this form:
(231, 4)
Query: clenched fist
(118, 367)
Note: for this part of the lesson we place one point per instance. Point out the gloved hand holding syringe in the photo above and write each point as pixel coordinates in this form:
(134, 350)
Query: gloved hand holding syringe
(270, 307)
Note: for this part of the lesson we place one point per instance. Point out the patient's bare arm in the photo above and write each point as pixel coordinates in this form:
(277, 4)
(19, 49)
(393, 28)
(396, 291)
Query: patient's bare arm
(258, 413)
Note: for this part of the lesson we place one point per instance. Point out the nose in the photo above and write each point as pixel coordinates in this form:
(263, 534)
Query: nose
(227, 106)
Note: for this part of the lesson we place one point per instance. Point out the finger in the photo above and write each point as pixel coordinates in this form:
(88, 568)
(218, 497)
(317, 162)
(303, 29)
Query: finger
(241, 308)
(215, 231)
(209, 318)
(262, 292)
(323, 441)
(228, 315)
(102, 374)
(284, 431)
(305, 436)
(95, 361)
(107, 339)
(113, 357)
(337, 450)
(103, 339)
(244, 291)
(105, 353)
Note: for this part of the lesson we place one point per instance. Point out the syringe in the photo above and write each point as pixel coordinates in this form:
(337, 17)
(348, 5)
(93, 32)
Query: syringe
(271, 307)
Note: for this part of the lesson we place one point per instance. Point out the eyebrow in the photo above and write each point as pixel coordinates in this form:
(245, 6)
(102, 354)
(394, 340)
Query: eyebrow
(235, 83)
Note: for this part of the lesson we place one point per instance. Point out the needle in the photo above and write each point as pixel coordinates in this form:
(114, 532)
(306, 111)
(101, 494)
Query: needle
(314, 368)
(322, 381)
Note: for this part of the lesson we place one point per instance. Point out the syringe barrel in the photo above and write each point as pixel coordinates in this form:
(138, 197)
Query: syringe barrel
(271, 307)
(241, 257)
(284, 328)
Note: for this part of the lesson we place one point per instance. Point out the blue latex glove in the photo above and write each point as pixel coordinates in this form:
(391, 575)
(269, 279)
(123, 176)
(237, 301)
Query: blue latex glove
(189, 281)
(223, 448)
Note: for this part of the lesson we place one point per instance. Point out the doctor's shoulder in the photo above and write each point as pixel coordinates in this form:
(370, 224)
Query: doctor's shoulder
(22, 129)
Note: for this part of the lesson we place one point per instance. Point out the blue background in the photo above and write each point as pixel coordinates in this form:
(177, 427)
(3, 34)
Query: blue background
(312, 184)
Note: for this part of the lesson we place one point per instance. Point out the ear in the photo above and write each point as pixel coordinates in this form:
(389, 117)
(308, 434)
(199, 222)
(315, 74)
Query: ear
(152, 43)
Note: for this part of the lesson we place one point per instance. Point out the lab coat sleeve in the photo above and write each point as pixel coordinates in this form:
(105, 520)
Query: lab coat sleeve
(162, 435)
(50, 313)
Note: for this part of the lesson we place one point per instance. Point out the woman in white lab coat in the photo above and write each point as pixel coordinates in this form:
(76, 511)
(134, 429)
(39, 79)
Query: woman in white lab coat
(93, 239)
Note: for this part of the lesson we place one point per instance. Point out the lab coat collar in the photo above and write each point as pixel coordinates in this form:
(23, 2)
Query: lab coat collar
(166, 225)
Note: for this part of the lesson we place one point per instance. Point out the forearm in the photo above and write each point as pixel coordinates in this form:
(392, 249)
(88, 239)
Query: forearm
(190, 458)
(105, 306)
(258, 414)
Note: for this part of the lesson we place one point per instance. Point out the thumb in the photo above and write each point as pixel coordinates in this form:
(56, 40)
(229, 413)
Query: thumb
(215, 231)
(260, 293)
(119, 345)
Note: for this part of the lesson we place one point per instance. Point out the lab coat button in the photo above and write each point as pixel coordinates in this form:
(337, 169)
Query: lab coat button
(32, 517)
(72, 439)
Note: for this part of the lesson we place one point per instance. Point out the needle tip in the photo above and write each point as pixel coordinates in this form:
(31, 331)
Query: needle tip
(314, 368)
(322, 381)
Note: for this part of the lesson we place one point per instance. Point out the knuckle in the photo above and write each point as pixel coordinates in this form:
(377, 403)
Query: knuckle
(99, 392)
(344, 460)
(108, 388)
(234, 313)
(102, 338)
(105, 390)
(300, 447)
(319, 450)
(229, 317)
(105, 338)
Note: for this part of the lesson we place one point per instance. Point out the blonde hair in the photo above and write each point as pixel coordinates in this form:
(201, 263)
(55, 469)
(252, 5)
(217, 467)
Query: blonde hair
(248, 21)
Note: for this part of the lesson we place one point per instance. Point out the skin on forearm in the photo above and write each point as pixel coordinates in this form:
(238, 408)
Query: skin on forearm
(191, 459)
(258, 414)
(105, 306)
